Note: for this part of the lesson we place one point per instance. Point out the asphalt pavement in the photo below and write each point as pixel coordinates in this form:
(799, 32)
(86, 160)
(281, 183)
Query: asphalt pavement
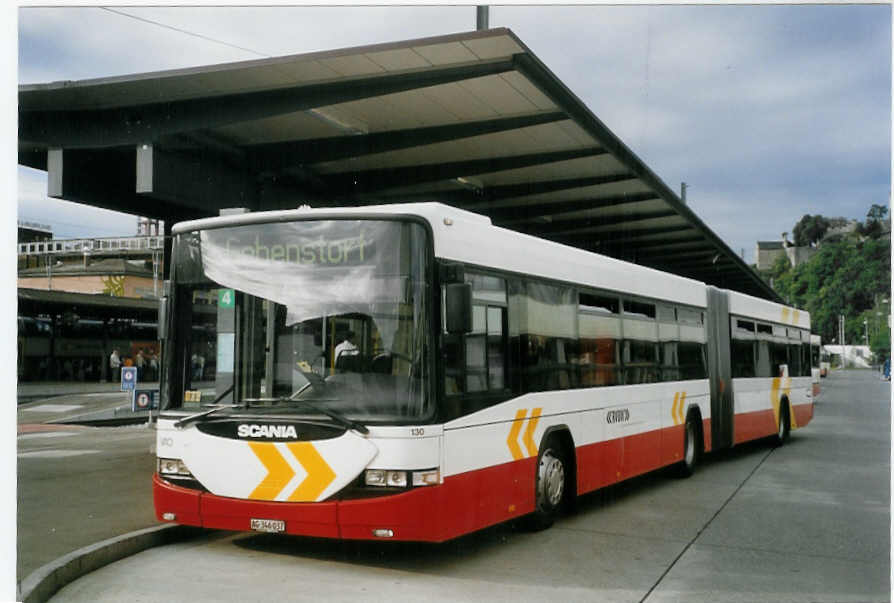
(77, 484)
(806, 522)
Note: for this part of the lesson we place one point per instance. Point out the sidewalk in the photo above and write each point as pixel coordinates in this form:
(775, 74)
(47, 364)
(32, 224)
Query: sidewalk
(48, 389)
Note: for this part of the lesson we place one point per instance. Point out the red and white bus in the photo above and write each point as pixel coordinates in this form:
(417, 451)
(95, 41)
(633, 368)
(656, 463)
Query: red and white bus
(412, 372)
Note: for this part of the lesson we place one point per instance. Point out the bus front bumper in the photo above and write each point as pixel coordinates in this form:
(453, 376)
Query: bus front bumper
(408, 516)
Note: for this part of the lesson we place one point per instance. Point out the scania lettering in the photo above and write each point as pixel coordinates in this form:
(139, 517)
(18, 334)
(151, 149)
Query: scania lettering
(412, 372)
(267, 431)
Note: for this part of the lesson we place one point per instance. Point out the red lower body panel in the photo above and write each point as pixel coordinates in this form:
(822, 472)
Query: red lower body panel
(754, 425)
(803, 414)
(464, 503)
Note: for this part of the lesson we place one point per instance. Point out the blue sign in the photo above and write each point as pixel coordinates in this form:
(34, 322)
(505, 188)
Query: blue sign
(144, 399)
(128, 378)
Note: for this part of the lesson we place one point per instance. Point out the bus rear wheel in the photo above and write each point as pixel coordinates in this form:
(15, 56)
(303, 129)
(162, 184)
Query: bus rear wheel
(782, 432)
(550, 484)
(690, 447)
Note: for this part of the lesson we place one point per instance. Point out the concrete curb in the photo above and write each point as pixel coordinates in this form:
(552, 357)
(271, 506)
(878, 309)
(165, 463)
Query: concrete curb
(45, 581)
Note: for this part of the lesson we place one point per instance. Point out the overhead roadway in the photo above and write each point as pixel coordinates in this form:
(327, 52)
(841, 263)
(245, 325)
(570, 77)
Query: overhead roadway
(474, 120)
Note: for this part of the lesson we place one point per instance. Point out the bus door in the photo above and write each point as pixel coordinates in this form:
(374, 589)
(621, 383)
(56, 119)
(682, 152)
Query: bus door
(719, 369)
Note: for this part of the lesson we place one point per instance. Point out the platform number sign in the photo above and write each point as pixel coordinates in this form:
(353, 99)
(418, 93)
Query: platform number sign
(128, 378)
(226, 298)
(144, 399)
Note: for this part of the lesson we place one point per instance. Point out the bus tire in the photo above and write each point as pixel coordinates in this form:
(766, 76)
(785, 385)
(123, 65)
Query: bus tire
(784, 428)
(691, 447)
(550, 484)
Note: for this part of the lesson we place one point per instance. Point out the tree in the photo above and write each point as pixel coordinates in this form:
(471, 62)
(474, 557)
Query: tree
(846, 276)
(876, 213)
(873, 228)
(880, 344)
(810, 230)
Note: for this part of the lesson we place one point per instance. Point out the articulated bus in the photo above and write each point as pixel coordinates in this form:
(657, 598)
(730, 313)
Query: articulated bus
(411, 372)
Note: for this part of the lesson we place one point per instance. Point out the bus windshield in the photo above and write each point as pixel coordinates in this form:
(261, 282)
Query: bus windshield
(285, 317)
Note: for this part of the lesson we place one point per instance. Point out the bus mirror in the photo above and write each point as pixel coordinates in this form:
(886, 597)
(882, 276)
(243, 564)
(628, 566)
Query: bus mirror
(459, 308)
(162, 318)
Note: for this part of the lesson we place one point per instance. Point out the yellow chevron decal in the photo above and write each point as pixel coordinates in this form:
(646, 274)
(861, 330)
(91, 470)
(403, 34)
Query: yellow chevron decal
(529, 432)
(796, 315)
(512, 440)
(279, 473)
(319, 473)
(785, 392)
(774, 398)
(678, 408)
(785, 313)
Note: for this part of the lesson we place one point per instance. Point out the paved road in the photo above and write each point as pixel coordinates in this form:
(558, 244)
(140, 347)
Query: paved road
(78, 485)
(805, 522)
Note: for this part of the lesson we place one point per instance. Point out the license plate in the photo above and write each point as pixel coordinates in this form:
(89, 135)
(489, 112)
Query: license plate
(268, 525)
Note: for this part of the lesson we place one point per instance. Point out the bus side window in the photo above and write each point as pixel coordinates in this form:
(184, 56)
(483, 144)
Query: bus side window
(545, 320)
(476, 362)
(763, 359)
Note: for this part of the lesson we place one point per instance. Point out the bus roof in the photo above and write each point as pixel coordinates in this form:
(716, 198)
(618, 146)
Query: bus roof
(471, 238)
(761, 309)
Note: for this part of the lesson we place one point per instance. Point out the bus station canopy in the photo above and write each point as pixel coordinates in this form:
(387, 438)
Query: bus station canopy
(474, 120)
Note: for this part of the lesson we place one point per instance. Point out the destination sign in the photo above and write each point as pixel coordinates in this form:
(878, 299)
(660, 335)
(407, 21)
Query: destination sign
(335, 252)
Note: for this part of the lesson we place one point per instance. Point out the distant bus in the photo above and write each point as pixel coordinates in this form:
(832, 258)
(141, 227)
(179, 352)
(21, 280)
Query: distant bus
(825, 361)
(412, 372)
(816, 346)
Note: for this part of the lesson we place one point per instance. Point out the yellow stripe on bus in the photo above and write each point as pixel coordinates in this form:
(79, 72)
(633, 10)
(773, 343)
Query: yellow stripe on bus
(279, 473)
(512, 440)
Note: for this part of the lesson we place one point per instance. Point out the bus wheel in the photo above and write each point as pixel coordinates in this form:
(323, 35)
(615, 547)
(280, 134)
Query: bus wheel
(690, 447)
(784, 424)
(550, 484)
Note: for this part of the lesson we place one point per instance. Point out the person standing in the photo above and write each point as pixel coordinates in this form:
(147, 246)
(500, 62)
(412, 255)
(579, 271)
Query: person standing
(153, 365)
(140, 361)
(115, 365)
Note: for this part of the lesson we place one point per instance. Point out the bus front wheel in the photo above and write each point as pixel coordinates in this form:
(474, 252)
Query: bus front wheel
(550, 484)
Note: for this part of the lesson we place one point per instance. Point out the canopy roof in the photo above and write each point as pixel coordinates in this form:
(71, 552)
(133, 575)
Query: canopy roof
(474, 120)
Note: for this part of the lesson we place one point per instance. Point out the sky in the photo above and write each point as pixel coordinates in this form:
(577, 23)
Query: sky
(766, 112)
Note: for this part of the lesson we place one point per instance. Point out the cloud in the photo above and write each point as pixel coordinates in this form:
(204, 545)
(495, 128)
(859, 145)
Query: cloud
(69, 220)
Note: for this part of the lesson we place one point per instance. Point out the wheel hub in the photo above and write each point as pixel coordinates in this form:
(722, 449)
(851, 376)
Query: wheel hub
(552, 479)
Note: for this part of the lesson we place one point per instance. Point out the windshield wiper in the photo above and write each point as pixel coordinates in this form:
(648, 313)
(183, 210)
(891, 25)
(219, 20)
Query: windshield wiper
(336, 416)
(205, 413)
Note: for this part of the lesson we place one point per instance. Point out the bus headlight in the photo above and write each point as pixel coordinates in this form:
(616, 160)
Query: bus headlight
(432, 477)
(173, 467)
(385, 478)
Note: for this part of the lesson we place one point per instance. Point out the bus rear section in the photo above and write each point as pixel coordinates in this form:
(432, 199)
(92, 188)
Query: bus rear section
(771, 378)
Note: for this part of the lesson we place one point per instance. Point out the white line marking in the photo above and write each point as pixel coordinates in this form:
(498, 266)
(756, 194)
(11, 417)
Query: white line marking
(53, 408)
(55, 454)
(46, 434)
